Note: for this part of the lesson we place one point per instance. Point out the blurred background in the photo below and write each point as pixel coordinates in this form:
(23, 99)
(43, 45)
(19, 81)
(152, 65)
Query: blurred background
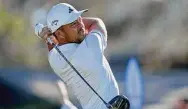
(153, 31)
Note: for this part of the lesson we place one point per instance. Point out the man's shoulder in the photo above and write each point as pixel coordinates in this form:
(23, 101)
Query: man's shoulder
(67, 50)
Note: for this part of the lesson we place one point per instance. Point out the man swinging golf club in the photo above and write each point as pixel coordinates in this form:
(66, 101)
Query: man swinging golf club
(76, 54)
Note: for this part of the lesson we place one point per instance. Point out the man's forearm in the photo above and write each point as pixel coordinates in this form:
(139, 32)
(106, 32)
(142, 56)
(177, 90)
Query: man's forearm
(94, 23)
(88, 22)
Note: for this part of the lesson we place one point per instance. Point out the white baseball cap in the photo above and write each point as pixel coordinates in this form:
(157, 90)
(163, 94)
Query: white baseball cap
(62, 14)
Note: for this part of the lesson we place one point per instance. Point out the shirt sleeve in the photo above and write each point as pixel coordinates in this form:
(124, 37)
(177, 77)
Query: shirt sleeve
(99, 38)
(96, 42)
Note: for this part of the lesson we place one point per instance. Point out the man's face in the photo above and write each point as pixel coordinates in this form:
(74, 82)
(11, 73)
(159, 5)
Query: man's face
(74, 32)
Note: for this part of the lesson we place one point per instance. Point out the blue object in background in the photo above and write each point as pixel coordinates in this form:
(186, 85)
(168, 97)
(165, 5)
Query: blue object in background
(134, 85)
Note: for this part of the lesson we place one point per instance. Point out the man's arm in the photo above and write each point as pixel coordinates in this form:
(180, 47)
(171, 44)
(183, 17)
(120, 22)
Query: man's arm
(96, 27)
(95, 24)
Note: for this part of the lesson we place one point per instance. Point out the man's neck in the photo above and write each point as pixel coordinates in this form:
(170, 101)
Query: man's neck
(59, 42)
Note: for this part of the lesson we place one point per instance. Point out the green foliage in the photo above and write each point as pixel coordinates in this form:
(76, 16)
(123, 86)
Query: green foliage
(18, 44)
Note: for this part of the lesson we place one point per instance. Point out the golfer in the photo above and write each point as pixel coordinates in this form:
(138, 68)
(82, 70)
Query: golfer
(83, 41)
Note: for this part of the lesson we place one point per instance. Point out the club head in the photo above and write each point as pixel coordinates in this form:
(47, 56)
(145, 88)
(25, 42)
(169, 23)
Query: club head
(119, 102)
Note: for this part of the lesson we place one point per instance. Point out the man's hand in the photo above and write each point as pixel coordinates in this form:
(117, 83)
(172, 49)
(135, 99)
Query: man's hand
(45, 33)
(42, 31)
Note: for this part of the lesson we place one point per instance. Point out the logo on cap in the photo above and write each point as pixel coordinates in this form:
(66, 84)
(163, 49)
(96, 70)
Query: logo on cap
(70, 10)
(54, 22)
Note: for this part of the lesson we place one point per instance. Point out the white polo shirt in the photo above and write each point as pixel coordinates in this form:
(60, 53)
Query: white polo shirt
(88, 58)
